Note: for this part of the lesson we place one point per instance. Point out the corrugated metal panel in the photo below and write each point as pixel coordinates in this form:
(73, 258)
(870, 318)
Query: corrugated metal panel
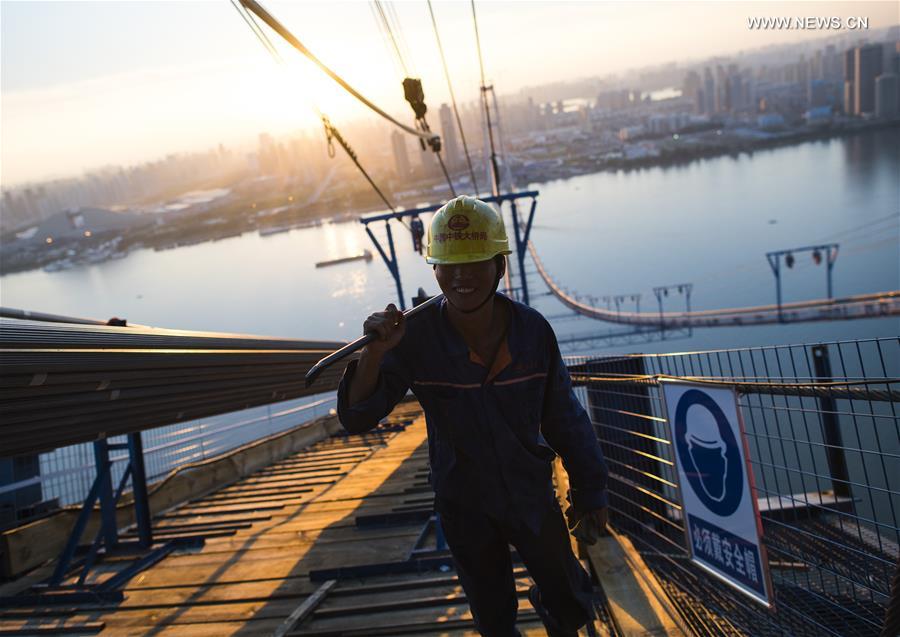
(63, 384)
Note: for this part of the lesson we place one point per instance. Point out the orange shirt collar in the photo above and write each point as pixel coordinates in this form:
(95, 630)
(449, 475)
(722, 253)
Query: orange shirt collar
(501, 360)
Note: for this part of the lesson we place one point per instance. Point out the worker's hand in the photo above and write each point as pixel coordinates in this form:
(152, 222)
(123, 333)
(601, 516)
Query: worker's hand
(599, 517)
(388, 326)
(588, 527)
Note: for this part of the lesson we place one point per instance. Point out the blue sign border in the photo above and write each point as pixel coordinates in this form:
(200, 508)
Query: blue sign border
(766, 599)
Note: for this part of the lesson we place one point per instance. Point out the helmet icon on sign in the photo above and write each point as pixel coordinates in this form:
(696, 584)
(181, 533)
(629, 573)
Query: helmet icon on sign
(708, 452)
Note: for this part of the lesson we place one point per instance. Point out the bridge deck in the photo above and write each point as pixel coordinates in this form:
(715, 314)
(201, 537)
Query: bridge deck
(268, 532)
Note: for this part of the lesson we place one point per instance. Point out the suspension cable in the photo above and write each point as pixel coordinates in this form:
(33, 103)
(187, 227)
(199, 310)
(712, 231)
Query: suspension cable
(385, 39)
(332, 133)
(395, 19)
(446, 174)
(390, 33)
(412, 91)
(495, 186)
(412, 87)
(507, 171)
(289, 37)
(495, 173)
(257, 31)
(477, 42)
(462, 133)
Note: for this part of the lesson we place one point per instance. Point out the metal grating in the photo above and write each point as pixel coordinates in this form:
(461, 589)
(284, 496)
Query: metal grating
(822, 424)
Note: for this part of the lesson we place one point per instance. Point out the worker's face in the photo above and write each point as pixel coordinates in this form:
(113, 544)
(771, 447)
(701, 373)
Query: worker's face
(466, 285)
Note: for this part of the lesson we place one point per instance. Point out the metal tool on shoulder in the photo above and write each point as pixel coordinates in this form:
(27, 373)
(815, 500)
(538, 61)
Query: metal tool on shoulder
(361, 342)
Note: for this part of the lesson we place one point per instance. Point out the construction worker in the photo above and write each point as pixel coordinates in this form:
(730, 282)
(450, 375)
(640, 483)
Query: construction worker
(417, 228)
(499, 406)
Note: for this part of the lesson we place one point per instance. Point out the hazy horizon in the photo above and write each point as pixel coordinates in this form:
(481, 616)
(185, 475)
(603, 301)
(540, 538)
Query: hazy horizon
(88, 84)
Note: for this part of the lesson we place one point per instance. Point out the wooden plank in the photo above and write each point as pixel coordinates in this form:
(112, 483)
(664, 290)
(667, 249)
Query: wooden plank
(220, 516)
(28, 546)
(250, 582)
(636, 601)
(448, 620)
(277, 556)
(313, 462)
(55, 628)
(249, 502)
(305, 609)
(189, 510)
(289, 477)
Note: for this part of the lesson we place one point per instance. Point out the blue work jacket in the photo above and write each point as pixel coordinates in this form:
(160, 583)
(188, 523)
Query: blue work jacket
(492, 433)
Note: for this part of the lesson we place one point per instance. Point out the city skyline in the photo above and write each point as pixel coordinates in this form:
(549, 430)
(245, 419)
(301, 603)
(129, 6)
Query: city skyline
(113, 113)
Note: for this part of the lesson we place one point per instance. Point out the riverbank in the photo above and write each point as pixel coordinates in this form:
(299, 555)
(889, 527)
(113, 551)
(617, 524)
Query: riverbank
(275, 214)
(690, 146)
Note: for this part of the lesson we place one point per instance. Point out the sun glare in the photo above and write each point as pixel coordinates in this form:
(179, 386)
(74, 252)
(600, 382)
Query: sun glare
(296, 92)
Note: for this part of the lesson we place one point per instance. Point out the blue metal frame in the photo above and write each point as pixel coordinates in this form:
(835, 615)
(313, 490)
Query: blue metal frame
(520, 236)
(53, 591)
(440, 541)
(390, 262)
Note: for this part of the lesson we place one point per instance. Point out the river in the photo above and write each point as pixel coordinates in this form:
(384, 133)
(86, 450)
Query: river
(709, 222)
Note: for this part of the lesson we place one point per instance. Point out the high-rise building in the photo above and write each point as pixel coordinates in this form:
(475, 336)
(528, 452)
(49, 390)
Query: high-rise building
(721, 93)
(401, 158)
(831, 64)
(849, 65)
(817, 66)
(817, 93)
(802, 70)
(867, 67)
(734, 99)
(849, 76)
(886, 96)
(848, 98)
(450, 146)
(691, 90)
(709, 92)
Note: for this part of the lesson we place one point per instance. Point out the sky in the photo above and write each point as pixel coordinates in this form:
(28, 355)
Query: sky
(88, 84)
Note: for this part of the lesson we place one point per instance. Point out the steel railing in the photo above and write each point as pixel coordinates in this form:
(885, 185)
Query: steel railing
(67, 473)
(66, 384)
(822, 424)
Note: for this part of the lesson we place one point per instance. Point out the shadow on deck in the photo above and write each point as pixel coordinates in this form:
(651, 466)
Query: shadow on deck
(344, 502)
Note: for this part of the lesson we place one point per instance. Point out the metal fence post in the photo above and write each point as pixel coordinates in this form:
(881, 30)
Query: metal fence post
(105, 493)
(139, 489)
(831, 432)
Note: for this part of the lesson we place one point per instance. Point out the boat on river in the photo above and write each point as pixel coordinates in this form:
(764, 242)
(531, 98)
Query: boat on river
(365, 255)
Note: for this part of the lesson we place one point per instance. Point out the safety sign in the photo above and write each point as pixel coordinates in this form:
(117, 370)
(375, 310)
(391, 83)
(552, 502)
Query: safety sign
(721, 517)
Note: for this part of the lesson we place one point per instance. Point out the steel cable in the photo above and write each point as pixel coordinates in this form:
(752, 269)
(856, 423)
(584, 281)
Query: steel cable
(289, 37)
(462, 133)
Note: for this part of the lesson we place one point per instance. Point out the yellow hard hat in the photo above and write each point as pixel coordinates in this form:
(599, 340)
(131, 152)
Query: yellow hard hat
(465, 230)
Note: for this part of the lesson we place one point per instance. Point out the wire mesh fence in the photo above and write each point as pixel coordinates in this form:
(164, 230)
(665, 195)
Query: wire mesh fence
(66, 474)
(822, 426)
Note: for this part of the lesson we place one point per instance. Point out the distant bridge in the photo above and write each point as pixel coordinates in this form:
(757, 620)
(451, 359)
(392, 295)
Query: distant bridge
(877, 305)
